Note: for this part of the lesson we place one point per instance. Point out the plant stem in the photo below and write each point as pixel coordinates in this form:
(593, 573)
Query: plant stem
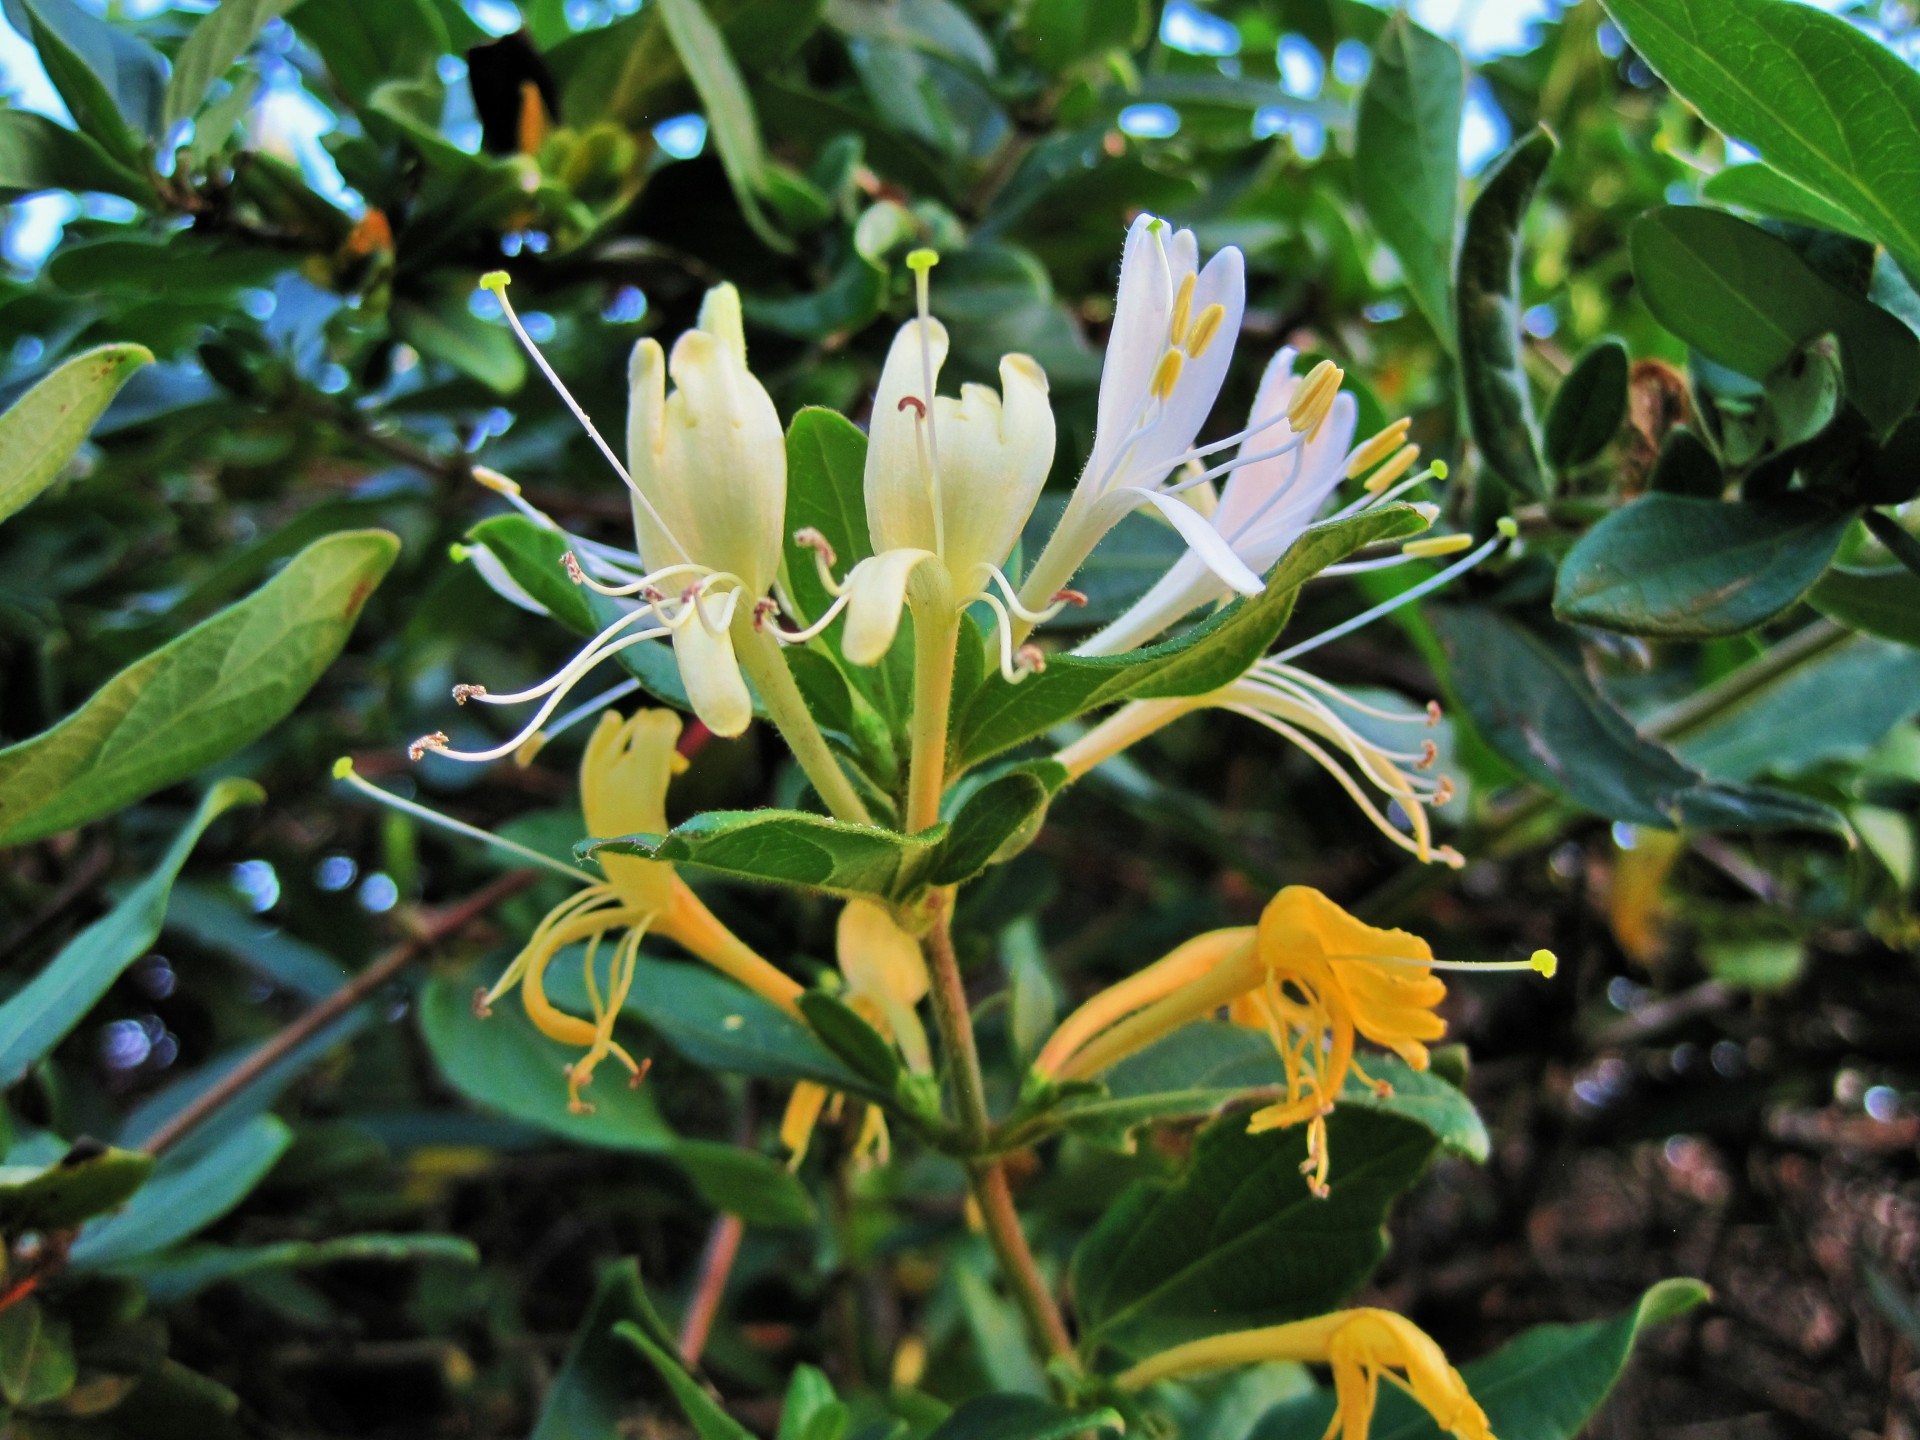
(716, 1264)
(1010, 1246)
(936, 632)
(956, 1024)
(760, 657)
(1769, 665)
(426, 934)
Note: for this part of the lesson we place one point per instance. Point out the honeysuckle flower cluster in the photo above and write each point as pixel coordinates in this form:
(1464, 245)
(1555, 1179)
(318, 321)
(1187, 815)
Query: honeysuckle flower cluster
(949, 484)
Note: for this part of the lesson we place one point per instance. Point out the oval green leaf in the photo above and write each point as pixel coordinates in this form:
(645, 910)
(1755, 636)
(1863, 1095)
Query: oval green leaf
(1589, 405)
(42, 429)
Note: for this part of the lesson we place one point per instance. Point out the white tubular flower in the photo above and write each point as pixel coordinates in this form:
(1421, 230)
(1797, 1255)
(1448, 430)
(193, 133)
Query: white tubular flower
(1174, 328)
(709, 468)
(949, 484)
(1275, 489)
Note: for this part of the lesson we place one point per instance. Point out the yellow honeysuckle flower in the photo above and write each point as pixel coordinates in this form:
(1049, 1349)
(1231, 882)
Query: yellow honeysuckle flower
(1360, 1346)
(623, 788)
(886, 978)
(1310, 975)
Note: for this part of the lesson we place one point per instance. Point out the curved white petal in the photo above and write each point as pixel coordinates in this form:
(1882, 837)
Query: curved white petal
(876, 591)
(711, 673)
(1206, 541)
(898, 488)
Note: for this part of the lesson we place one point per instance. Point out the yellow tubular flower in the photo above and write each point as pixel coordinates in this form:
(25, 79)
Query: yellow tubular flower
(886, 978)
(623, 789)
(1360, 1346)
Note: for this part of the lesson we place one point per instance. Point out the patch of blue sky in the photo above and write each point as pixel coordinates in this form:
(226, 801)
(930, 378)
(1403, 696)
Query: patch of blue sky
(682, 136)
(1184, 26)
(1150, 122)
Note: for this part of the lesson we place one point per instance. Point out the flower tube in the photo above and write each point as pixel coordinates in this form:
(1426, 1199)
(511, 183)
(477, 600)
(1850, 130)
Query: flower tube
(1361, 1347)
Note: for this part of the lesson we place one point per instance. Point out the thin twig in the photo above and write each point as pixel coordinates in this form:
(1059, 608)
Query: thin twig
(430, 932)
(1009, 1240)
(716, 1264)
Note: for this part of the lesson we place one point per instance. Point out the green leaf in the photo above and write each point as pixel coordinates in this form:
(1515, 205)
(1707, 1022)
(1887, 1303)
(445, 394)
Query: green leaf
(37, 1363)
(190, 1189)
(1745, 299)
(1023, 1417)
(1003, 714)
(1062, 34)
(42, 1012)
(1881, 602)
(1687, 466)
(1589, 406)
(1825, 105)
(703, 1412)
(1688, 569)
(588, 1398)
(789, 847)
(197, 698)
(217, 40)
(1544, 718)
(721, 1025)
(445, 329)
(41, 430)
(1406, 170)
(1206, 1066)
(1238, 1240)
(864, 1050)
(723, 94)
(503, 1064)
(530, 553)
(811, 1410)
(1837, 705)
(111, 80)
(1486, 297)
(1544, 1385)
(1765, 191)
(38, 154)
(997, 820)
(369, 43)
(181, 1273)
(88, 1180)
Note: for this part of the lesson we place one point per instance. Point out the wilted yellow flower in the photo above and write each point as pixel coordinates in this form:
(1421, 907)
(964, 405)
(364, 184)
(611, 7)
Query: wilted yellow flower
(1360, 1346)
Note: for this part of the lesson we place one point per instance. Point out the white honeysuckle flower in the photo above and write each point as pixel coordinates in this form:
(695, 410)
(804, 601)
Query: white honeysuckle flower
(1277, 489)
(1174, 328)
(949, 484)
(708, 482)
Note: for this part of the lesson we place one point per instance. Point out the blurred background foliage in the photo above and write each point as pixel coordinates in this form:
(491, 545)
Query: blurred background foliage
(291, 215)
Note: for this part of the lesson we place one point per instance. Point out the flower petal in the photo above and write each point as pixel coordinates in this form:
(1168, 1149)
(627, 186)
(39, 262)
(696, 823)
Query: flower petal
(1206, 541)
(712, 676)
(876, 594)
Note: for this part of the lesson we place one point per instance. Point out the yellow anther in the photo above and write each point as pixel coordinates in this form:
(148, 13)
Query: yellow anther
(343, 767)
(1508, 526)
(495, 481)
(1391, 471)
(1313, 398)
(1166, 374)
(1204, 329)
(1378, 448)
(495, 280)
(1182, 310)
(1545, 961)
(1437, 545)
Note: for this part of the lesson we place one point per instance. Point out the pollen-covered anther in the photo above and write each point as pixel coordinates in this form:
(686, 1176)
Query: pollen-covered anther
(418, 749)
(764, 607)
(653, 594)
(639, 1075)
(808, 538)
(1313, 398)
(464, 693)
(1032, 658)
(574, 572)
(1443, 790)
(1433, 713)
(1373, 451)
(481, 1009)
(1204, 329)
(495, 481)
(1069, 597)
(1450, 857)
(919, 405)
(1166, 374)
(1182, 309)
(1429, 752)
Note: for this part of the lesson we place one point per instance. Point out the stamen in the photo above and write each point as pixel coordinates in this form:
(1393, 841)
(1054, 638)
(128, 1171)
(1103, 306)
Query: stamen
(1166, 375)
(586, 710)
(1313, 397)
(921, 262)
(1393, 469)
(343, 770)
(1076, 598)
(997, 576)
(800, 637)
(494, 480)
(1014, 666)
(561, 676)
(808, 538)
(1182, 309)
(642, 586)
(1204, 329)
(763, 607)
(1431, 545)
(496, 281)
(1373, 451)
(435, 741)
(1032, 659)
(464, 693)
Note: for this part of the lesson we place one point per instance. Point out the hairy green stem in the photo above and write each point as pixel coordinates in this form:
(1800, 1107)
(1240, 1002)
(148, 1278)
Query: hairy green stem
(950, 1013)
(766, 667)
